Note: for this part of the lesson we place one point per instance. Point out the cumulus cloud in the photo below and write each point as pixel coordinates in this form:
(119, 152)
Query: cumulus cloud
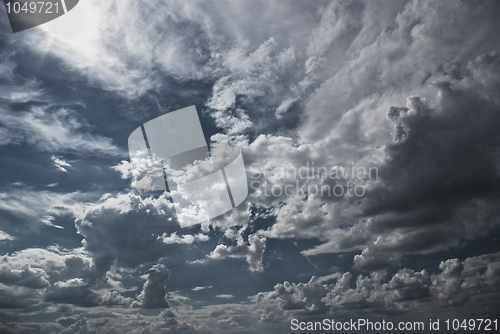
(284, 106)
(31, 204)
(291, 296)
(377, 294)
(485, 70)
(153, 294)
(126, 228)
(184, 239)
(253, 252)
(29, 277)
(410, 88)
(395, 49)
(62, 276)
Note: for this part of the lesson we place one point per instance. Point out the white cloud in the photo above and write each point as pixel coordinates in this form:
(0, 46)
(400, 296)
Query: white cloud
(183, 239)
(225, 296)
(71, 283)
(5, 236)
(153, 294)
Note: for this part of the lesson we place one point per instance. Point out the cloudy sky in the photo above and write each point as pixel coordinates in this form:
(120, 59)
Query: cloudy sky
(407, 89)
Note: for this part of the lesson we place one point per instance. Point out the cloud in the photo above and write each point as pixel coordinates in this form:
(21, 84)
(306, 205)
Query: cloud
(327, 278)
(284, 106)
(59, 130)
(60, 163)
(5, 236)
(252, 252)
(224, 296)
(153, 293)
(76, 295)
(251, 76)
(398, 294)
(84, 296)
(485, 70)
(396, 214)
(394, 297)
(337, 19)
(395, 49)
(29, 277)
(291, 296)
(184, 239)
(7, 67)
(21, 93)
(126, 227)
(31, 204)
(62, 276)
(19, 297)
(409, 88)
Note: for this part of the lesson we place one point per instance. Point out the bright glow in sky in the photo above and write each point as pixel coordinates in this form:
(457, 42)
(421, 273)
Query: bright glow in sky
(78, 27)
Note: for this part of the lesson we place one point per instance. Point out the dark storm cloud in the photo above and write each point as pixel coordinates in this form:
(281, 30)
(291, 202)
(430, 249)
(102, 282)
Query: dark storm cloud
(28, 277)
(441, 170)
(441, 156)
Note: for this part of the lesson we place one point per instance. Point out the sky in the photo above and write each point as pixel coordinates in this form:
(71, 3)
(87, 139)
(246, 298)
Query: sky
(369, 133)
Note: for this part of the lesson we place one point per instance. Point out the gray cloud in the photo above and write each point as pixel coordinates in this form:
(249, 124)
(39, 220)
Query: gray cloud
(433, 182)
(253, 252)
(153, 294)
(401, 293)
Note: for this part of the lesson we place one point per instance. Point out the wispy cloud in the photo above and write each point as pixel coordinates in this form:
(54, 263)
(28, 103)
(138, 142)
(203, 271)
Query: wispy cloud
(224, 296)
(61, 163)
(58, 130)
